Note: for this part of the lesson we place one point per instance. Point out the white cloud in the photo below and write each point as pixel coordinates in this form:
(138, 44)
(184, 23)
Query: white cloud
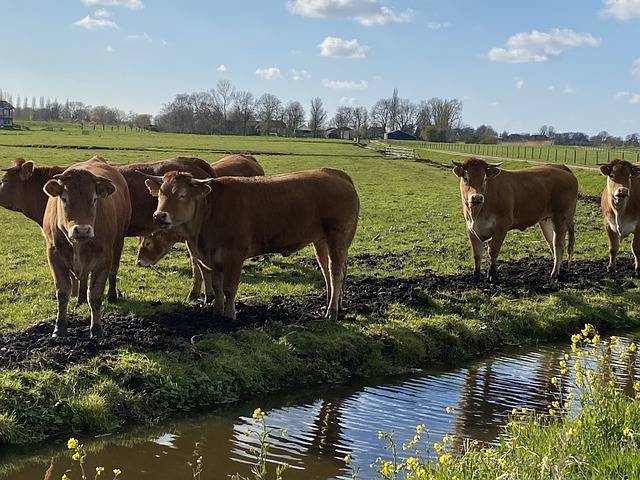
(519, 84)
(540, 46)
(132, 4)
(90, 23)
(351, 101)
(338, 47)
(494, 104)
(627, 97)
(110, 49)
(365, 12)
(438, 25)
(621, 9)
(300, 74)
(636, 68)
(361, 85)
(221, 68)
(551, 87)
(143, 36)
(568, 90)
(102, 13)
(270, 73)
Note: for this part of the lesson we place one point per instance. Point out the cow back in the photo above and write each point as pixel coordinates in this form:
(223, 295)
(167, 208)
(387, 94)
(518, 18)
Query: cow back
(237, 166)
(144, 204)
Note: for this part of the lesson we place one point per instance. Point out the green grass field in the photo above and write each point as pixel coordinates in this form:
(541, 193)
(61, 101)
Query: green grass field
(409, 210)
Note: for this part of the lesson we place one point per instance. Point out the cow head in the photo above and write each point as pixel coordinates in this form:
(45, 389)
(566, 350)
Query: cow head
(12, 181)
(619, 174)
(177, 194)
(77, 193)
(473, 174)
(152, 248)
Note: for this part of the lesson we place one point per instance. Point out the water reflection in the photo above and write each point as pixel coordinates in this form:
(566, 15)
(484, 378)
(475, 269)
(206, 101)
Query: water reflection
(322, 426)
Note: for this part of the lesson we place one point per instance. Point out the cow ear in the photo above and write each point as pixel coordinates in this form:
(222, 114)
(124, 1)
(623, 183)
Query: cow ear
(26, 170)
(458, 171)
(492, 171)
(153, 186)
(104, 187)
(605, 170)
(635, 171)
(53, 188)
(201, 190)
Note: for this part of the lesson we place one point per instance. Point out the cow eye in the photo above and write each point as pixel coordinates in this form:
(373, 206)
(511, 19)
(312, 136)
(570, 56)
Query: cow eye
(612, 176)
(147, 244)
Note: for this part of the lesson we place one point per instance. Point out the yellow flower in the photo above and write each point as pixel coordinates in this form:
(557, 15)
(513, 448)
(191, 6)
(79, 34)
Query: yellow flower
(633, 347)
(412, 463)
(595, 339)
(445, 458)
(72, 443)
(514, 411)
(449, 409)
(438, 447)
(347, 459)
(76, 456)
(257, 413)
(554, 380)
(64, 477)
(419, 428)
(380, 434)
(99, 470)
(626, 431)
(387, 468)
(117, 471)
(552, 411)
(636, 386)
(575, 338)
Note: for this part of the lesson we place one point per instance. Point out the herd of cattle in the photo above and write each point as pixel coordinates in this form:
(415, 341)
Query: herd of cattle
(229, 211)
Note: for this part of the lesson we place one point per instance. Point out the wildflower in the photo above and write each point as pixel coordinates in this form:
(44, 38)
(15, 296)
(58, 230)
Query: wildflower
(575, 338)
(419, 429)
(445, 458)
(412, 463)
(552, 412)
(523, 409)
(99, 470)
(257, 413)
(633, 347)
(449, 409)
(514, 411)
(626, 431)
(72, 444)
(503, 463)
(554, 380)
(64, 477)
(595, 339)
(446, 439)
(117, 471)
(387, 468)
(347, 459)
(380, 434)
(636, 386)
(438, 447)
(76, 456)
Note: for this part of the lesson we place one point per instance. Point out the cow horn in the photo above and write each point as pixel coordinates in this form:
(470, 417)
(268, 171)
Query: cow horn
(155, 178)
(495, 164)
(459, 164)
(15, 168)
(202, 181)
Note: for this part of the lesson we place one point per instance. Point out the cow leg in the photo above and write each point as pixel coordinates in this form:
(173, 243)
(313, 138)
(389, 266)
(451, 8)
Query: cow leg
(217, 279)
(322, 256)
(546, 225)
(96, 294)
(559, 238)
(494, 250)
(635, 246)
(112, 293)
(476, 249)
(62, 280)
(337, 271)
(614, 245)
(231, 281)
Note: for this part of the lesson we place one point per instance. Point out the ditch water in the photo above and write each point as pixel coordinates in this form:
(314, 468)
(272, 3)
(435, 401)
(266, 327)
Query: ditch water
(323, 425)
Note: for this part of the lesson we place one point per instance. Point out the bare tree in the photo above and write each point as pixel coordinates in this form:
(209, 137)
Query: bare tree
(293, 117)
(317, 117)
(226, 94)
(381, 113)
(269, 109)
(343, 117)
(243, 111)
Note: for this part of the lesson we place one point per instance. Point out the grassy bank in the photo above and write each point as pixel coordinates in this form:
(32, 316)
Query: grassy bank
(411, 230)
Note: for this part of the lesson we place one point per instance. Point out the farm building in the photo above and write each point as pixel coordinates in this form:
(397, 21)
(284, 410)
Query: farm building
(343, 132)
(303, 131)
(399, 135)
(6, 114)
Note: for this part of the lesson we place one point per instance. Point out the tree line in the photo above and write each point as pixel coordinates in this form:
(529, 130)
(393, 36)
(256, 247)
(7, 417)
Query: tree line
(224, 110)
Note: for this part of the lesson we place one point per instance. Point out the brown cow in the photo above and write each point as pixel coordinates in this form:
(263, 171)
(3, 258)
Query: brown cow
(230, 219)
(84, 224)
(21, 191)
(620, 203)
(495, 201)
(152, 248)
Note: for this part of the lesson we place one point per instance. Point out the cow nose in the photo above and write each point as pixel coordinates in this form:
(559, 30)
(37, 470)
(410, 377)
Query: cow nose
(476, 198)
(622, 192)
(161, 217)
(140, 263)
(81, 232)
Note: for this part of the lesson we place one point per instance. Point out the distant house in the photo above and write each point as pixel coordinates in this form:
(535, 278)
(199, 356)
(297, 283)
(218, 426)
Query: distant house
(399, 135)
(303, 131)
(6, 114)
(343, 132)
(373, 132)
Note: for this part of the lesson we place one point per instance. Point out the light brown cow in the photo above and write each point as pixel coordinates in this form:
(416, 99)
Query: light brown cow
(230, 219)
(620, 203)
(86, 218)
(495, 201)
(21, 191)
(152, 248)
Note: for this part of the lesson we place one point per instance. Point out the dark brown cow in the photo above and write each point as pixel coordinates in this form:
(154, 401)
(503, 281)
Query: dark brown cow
(620, 203)
(152, 248)
(84, 224)
(495, 201)
(230, 219)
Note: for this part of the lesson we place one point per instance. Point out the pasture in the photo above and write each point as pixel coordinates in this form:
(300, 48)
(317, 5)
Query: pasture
(411, 298)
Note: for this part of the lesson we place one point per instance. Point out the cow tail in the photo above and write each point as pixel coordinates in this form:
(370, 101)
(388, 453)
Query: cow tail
(572, 241)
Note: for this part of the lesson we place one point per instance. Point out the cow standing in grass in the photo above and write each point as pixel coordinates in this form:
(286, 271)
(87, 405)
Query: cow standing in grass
(230, 219)
(84, 225)
(620, 203)
(495, 201)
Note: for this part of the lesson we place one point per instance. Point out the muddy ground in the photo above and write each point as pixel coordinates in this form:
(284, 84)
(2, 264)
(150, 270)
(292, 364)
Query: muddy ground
(34, 348)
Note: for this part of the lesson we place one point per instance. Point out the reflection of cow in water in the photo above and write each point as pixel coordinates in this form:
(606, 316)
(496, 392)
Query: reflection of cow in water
(495, 201)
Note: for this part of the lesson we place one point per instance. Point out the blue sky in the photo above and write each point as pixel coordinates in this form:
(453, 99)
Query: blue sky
(515, 65)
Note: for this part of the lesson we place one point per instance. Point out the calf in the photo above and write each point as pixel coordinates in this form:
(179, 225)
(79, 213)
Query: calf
(495, 201)
(84, 225)
(230, 219)
(620, 204)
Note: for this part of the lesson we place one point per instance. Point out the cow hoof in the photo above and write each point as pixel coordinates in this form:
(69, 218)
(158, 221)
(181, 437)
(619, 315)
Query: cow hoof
(209, 298)
(59, 333)
(193, 297)
(96, 331)
(331, 314)
(112, 297)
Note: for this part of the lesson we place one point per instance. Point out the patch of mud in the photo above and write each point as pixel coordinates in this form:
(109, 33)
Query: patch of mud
(35, 349)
